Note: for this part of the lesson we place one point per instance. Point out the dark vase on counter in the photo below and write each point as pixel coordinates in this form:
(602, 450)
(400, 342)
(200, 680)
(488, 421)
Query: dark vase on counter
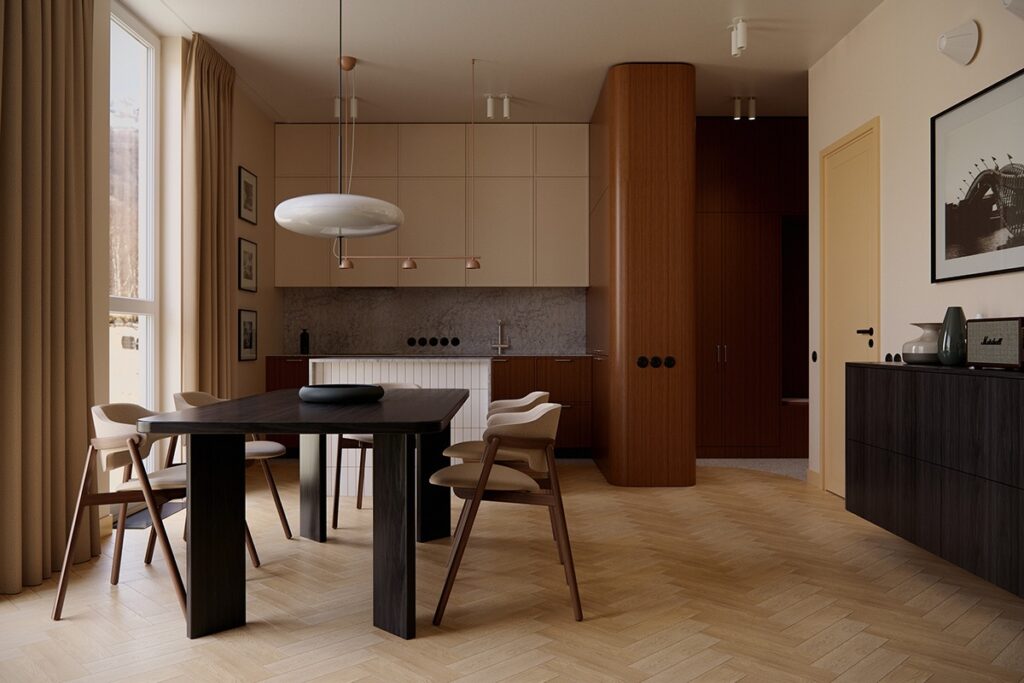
(953, 337)
(304, 343)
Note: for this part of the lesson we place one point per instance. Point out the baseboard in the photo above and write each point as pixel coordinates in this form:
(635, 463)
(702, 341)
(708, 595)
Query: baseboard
(814, 479)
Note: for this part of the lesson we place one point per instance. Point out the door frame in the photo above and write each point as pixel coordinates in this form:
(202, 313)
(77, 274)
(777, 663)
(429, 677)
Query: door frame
(873, 126)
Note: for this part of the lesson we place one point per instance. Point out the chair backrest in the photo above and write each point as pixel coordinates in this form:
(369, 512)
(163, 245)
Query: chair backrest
(540, 422)
(518, 405)
(118, 420)
(194, 399)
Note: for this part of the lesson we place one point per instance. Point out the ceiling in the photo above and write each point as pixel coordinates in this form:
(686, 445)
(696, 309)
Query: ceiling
(550, 55)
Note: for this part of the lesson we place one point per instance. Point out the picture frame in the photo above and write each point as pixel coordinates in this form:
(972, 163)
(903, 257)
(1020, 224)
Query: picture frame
(248, 333)
(248, 199)
(247, 265)
(977, 184)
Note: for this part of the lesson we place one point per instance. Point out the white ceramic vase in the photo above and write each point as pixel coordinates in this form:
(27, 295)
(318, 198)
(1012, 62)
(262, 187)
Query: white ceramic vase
(925, 349)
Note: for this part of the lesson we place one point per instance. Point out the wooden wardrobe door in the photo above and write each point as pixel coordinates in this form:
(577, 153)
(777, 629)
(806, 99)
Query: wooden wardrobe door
(709, 329)
(750, 329)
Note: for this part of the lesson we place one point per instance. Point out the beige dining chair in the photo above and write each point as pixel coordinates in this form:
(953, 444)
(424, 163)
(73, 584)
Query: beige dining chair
(256, 450)
(364, 442)
(530, 436)
(517, 405)
(119, 445)
(472, 451)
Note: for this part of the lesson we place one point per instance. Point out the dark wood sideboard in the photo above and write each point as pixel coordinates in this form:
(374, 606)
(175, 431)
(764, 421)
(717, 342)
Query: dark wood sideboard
(936, 456)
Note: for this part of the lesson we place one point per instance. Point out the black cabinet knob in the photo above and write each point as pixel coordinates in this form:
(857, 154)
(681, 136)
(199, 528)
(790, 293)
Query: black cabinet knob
(655, 361)
(444, 341)
(411, 341)
(433, 341)
(422, 341)
(456, 341)
(642, 362)
(670, 361)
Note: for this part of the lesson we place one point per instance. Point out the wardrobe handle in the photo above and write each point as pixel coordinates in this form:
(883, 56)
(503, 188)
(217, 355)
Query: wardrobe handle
(293, 360)
(726, 347)
(718, 353)
(563, 360)
(499, 360)
(566, 405)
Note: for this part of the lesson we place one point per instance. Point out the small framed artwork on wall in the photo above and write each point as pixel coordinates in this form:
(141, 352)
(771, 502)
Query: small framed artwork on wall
(246, 265)
(247, 334)
(247, 195)
(978, 184)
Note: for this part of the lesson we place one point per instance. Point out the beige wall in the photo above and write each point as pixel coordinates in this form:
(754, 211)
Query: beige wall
(253, 147)
(100, 137)
(888, 66)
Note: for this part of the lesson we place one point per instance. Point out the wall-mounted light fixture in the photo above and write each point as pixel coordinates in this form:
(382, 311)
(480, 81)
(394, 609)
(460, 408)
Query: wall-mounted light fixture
(738, 36)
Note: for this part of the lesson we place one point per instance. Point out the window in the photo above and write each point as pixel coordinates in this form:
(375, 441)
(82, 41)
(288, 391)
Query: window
(133, 231)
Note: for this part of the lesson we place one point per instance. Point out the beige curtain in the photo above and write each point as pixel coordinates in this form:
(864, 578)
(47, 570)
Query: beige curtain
(209, 335)
(45, 282)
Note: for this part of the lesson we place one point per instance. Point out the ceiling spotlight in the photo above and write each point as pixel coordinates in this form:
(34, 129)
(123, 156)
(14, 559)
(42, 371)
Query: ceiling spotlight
(408, 264)
(739, 37)
(472, 263)
(506, 107)
(751, 109)
(737, 109)
(490, 106)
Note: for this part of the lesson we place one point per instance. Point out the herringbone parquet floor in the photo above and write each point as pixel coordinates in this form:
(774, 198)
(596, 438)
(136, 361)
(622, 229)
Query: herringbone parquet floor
(747, 576)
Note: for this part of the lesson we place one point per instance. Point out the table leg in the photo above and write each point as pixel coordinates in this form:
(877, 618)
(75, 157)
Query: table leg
(216, 519)
(394, 551)
(313, 486)
(433, 503)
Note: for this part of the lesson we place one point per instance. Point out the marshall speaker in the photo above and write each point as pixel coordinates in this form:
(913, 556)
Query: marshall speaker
(996, 342)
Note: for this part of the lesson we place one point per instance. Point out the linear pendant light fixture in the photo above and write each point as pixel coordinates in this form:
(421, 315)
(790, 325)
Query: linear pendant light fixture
(339, 215)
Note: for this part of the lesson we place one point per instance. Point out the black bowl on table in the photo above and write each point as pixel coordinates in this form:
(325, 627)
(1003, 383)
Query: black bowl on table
(341, 393)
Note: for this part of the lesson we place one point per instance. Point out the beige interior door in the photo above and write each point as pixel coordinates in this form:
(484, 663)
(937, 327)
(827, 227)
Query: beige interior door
(849, 279)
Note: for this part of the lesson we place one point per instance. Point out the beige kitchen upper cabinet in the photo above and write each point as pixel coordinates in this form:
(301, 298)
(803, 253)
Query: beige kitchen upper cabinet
(435, 225)
(303, 150)
(370, 272)
(300, 261)
(376, 151)
(502, 149)
(561, 253)
(432, 150)
(561, 149)
(502, 232)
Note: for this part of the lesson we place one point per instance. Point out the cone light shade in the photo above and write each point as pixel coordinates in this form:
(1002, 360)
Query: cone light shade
(338, 215)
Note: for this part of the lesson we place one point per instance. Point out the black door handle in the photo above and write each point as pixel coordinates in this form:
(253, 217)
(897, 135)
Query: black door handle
(870, 331)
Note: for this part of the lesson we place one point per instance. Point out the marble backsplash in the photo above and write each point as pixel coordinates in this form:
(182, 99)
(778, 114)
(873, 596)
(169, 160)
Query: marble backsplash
(538, 320)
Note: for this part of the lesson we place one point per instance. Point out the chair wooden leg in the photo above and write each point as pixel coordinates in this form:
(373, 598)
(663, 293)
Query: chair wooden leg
(563, 538)
(158, 526)
(337, 484)
(362, 476)
(251, 547)
(554, 533)
(473, 505)
(76, 522)
(277, 498)
(115, 566)
(150, 545)
(458, 532)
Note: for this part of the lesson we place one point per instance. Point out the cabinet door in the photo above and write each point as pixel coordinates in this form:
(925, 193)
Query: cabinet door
(566, 378)
(302, 150)
(709, 331)
(502, 150)
(750, 329)
(513, 377)
(562, 255)
(300, 261)
(371, 272)
(561, 149)
(983, 434)
(375, 148)
(432, 150)
(502, 232)
(435, 225)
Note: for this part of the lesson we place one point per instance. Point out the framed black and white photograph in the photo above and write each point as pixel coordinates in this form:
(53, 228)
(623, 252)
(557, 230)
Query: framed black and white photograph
(247, 333)
(246, 265)
(246, 195)
(978, 184)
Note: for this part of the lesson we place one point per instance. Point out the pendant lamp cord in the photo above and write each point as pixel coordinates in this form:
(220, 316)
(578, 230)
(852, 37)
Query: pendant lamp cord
(472, 157)
(341, 119)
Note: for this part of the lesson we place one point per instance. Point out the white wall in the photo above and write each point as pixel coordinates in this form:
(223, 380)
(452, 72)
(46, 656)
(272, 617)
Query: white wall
(888, 66)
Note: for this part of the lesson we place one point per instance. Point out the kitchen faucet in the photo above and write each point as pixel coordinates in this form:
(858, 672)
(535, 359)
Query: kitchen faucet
(502, 343)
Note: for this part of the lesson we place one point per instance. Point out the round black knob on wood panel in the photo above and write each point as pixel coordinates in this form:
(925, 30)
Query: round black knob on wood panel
(433, 341)
(642, 362)
(655, 361)
(670, 361)
(456, 341)
(422, 341)
(411, 341)
(444, 341)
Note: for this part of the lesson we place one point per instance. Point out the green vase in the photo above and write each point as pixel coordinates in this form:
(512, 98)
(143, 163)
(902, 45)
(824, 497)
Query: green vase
(953, 337)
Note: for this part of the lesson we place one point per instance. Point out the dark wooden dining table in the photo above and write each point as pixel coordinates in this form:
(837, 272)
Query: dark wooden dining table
(410, 427)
